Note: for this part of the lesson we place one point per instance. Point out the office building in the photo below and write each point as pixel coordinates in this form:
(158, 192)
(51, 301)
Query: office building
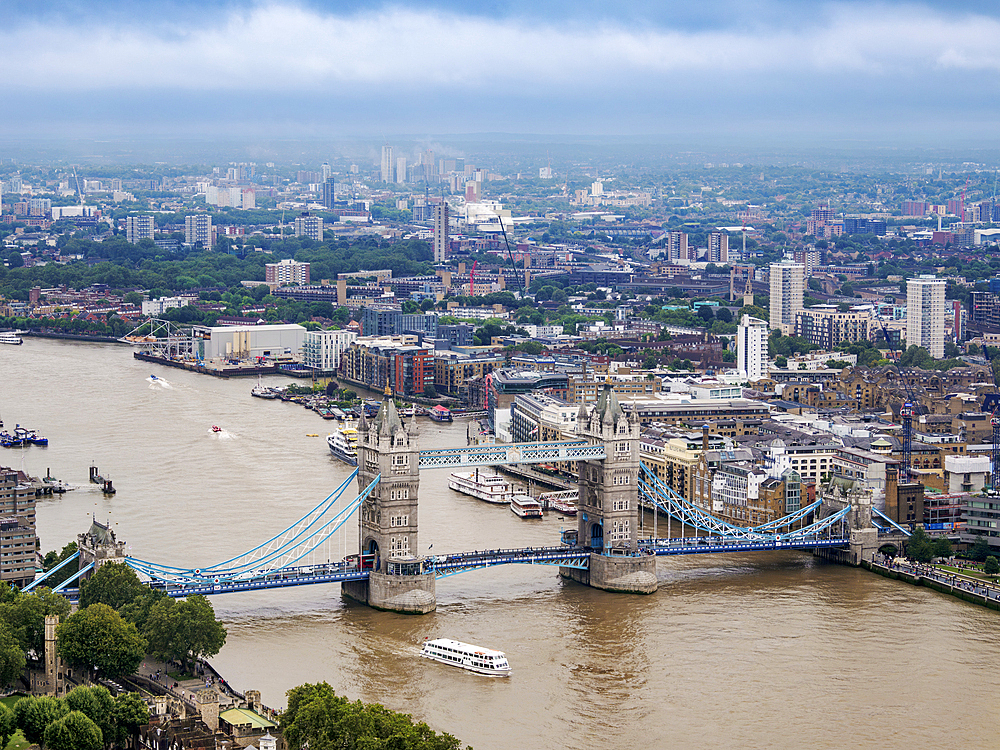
(925, 314)
(751, 348)
(329, 192)
(309, 226)
(718, 247)
(387, 164)
(787, 287)
(198, 228)
(139, 228)
(286, 271)
(440, 218)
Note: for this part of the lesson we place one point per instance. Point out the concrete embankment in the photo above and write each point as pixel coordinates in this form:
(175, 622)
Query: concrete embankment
(961, 587)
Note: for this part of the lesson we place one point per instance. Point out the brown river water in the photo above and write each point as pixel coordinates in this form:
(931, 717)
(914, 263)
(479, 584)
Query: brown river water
(762, 650)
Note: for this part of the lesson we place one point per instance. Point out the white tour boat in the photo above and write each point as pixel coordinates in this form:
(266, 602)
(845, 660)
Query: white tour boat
(10, 338)
(485, 485)
(343, 444)
(564, 502)
(526, 506)
(465, 655)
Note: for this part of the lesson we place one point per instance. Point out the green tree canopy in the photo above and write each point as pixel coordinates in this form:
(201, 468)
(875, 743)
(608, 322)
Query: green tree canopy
(12, 658)
(919, 546)
(7, 724)
(991, 566)
(32, 715)
(98, 638)
(24, 615)
(114, 584)
(74, 731)
(130, 713)
(184, 630)
(97, 705)
(326, 721)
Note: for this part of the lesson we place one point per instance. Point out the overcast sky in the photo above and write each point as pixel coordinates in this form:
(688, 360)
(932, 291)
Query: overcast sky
(768, 68)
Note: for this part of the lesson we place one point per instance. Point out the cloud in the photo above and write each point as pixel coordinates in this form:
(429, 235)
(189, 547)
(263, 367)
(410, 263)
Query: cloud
(286, 47)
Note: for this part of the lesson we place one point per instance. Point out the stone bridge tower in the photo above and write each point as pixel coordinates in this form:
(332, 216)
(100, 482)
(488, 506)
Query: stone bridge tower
(608, 510)
(388, 516)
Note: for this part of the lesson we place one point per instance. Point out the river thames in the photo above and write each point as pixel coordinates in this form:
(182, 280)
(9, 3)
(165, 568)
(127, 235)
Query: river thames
(774, 650)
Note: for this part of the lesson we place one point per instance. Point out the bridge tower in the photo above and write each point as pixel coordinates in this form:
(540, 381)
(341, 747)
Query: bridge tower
(98, 546)
(399, 581)
(608, 510)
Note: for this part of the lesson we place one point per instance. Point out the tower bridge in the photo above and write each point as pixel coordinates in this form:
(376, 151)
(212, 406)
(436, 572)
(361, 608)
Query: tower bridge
(389, 572)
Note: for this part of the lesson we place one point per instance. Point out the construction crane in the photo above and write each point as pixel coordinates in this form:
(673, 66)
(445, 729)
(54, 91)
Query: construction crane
(510, 254)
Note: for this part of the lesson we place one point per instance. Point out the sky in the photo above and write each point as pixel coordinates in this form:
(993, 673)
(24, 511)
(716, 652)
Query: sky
(874, 72)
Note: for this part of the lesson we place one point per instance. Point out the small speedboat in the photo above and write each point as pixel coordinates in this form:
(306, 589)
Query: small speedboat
(153, 377)
(216, 428)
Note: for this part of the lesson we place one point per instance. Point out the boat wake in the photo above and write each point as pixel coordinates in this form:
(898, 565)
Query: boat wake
(221, 434)
(155, 382)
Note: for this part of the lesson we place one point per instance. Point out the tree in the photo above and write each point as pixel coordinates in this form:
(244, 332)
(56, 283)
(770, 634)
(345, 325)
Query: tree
(919, 546)
(97, 705)
(991, 567)
(74, 731)
(12, 658)
(781, 362)
(724, 314)
(24, 615)
(430, 391)
(131, 712)
(705, 313)
(14, 260)
(114, 584)
(98, 638)
(7, 724)
(184, 630)
(942, 547)
(980, 550)
(32, 715)
(319, 717)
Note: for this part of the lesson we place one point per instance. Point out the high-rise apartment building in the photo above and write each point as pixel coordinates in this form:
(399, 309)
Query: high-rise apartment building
(826, 326)
(309, 226)
(329, 192)
(198, 228)
(287, 271)
(677, 245)
(401, 170)
(718, 247)
(139, 228)
(387, 164)
(440, 217)
(326, 171)
(751, 348)
(925, 314)
(787, 287)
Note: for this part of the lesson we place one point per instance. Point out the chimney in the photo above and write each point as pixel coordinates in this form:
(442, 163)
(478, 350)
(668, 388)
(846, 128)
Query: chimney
(704, 437)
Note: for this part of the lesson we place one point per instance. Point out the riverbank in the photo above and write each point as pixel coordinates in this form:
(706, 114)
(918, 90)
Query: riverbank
(73, 337)
(962, 587)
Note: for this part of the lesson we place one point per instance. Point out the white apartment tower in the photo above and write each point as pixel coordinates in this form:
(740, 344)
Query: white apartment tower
(309, 226)
(677, 246)
(788, 282)
(139, 228)
(718, 247)
(388, 164)
(925, 314)
(440, 216)
(401, 170)
(751, 348)
(198, 228)
(286, 271)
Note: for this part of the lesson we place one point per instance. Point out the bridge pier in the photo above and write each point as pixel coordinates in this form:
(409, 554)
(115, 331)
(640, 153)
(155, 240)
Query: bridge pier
(407, 594)
(622, 575)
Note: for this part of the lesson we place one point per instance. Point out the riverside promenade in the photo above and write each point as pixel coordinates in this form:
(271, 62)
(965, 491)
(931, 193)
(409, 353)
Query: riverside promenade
(964, 587)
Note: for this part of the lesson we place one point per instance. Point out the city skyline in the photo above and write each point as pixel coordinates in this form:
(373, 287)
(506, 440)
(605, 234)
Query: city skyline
(891, 72)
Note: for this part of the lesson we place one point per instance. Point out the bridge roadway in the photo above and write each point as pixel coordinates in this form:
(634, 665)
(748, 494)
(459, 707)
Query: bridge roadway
(453, 564)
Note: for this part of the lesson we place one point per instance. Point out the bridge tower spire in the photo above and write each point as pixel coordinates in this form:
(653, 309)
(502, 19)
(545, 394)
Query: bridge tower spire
(608, 510)
(399, 580)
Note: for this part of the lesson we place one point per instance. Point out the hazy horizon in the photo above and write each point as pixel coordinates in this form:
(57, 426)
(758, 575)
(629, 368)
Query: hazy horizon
(919, 74)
